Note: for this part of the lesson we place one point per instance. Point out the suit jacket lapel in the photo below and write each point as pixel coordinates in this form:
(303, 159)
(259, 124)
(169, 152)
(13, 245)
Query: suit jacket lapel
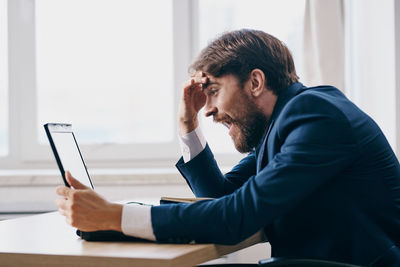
(283, 98)
(263, 146)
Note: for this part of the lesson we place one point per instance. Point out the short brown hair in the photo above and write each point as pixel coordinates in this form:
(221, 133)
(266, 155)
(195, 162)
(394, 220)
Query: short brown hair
(239, 52)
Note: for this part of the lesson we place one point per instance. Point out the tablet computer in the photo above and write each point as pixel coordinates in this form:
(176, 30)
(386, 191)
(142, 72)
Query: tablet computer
(69, 158)
(67, 153)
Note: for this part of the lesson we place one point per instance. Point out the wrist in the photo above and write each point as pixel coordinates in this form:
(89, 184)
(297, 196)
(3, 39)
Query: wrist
(114, 217)
(187, 126)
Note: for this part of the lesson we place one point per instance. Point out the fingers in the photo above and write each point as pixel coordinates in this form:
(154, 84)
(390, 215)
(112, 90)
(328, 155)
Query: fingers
(66, 191)
(86, 210)
(199, 74)
(201, 78)
(196, 81)
(62, 212)
(63, 191)
(73, 182)
(62, 205)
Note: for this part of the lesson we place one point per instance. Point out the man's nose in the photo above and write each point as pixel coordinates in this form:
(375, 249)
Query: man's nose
(210, 110)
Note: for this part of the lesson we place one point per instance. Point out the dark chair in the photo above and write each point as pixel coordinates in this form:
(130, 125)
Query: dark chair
(283, 262)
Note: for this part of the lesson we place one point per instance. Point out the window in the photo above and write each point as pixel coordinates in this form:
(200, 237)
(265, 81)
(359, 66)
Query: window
(3, 79)
(114, 69)
(108, 70)
(273, 17)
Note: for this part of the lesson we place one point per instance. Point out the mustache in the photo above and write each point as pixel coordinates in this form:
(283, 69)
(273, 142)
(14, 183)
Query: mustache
(226, 120)
(222, 119)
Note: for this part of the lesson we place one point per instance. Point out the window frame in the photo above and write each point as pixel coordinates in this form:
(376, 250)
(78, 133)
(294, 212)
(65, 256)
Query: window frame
(24, 151)
(24, 148)
(4, 68)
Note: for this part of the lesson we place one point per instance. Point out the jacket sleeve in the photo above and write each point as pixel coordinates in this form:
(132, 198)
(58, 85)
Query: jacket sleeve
(316, 147)
(205, 178)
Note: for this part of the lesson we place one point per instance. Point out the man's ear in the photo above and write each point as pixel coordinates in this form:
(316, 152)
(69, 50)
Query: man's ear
(257, 82)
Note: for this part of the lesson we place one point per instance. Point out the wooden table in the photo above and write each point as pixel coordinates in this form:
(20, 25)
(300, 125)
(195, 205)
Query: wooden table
(46, 240)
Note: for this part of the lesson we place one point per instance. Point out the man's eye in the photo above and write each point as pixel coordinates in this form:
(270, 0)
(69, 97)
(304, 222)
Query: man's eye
(212, 92)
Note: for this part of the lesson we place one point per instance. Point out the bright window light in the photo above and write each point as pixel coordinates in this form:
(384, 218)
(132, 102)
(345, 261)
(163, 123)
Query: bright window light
(3, 79)
(106, 66)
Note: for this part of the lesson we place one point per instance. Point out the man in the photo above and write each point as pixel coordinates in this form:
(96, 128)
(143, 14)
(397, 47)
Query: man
(320, 177)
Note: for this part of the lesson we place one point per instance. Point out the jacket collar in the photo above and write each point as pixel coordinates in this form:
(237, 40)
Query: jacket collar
(285, 96)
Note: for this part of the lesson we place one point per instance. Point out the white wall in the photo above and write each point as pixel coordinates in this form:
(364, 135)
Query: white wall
(397, 33)
(370, 61)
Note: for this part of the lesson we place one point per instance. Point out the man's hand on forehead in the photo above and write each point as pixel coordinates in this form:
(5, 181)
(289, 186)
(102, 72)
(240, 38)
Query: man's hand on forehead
(209, 81)
(199, 74)
(193, 99)
(199, 78)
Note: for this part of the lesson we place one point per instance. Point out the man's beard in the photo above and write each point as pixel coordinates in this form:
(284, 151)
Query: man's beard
(251, 124)
(251, 130)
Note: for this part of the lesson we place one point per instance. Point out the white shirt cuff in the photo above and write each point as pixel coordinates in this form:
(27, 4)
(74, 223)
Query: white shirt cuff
(136, 221)
(192, 144)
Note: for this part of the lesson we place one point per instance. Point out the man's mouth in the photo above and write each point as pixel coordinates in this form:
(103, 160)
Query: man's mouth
(227, 122)
(228, 125)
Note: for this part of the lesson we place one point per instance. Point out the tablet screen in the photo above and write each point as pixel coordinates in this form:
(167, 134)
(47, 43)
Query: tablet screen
(68, 153)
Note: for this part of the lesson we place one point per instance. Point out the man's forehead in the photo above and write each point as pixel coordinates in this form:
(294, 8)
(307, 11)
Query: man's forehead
(211, 82)
(225, 79)
(211, 78)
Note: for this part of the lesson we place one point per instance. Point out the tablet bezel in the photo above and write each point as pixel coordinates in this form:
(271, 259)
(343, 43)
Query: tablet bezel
(64, 128)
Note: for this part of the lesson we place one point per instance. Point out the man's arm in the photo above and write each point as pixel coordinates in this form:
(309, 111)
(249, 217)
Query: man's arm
(316, 148)
(210, 182)
(205, 178)
(192, 144)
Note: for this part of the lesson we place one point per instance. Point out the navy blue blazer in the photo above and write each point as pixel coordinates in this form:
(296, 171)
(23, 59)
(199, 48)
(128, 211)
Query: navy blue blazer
(323, 184)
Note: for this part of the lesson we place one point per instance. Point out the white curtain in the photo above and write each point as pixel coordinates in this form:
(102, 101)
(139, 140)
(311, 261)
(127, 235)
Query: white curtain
(397, 74)
(351, 45)
(370, 52)
(324, 43)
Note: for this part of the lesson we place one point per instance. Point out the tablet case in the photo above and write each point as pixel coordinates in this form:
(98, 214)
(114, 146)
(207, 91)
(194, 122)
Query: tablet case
(106, 236)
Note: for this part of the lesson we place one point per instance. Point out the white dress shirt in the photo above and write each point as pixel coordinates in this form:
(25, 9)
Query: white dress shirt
(136, 219)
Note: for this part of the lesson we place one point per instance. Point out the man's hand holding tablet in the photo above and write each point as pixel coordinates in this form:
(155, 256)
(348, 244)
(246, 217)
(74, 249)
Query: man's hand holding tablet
(85, 209)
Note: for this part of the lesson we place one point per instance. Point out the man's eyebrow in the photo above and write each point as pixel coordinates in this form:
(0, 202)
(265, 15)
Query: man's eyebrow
(208, 84)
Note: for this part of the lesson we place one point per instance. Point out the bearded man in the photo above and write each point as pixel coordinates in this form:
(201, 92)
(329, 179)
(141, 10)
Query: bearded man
(320, 178)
